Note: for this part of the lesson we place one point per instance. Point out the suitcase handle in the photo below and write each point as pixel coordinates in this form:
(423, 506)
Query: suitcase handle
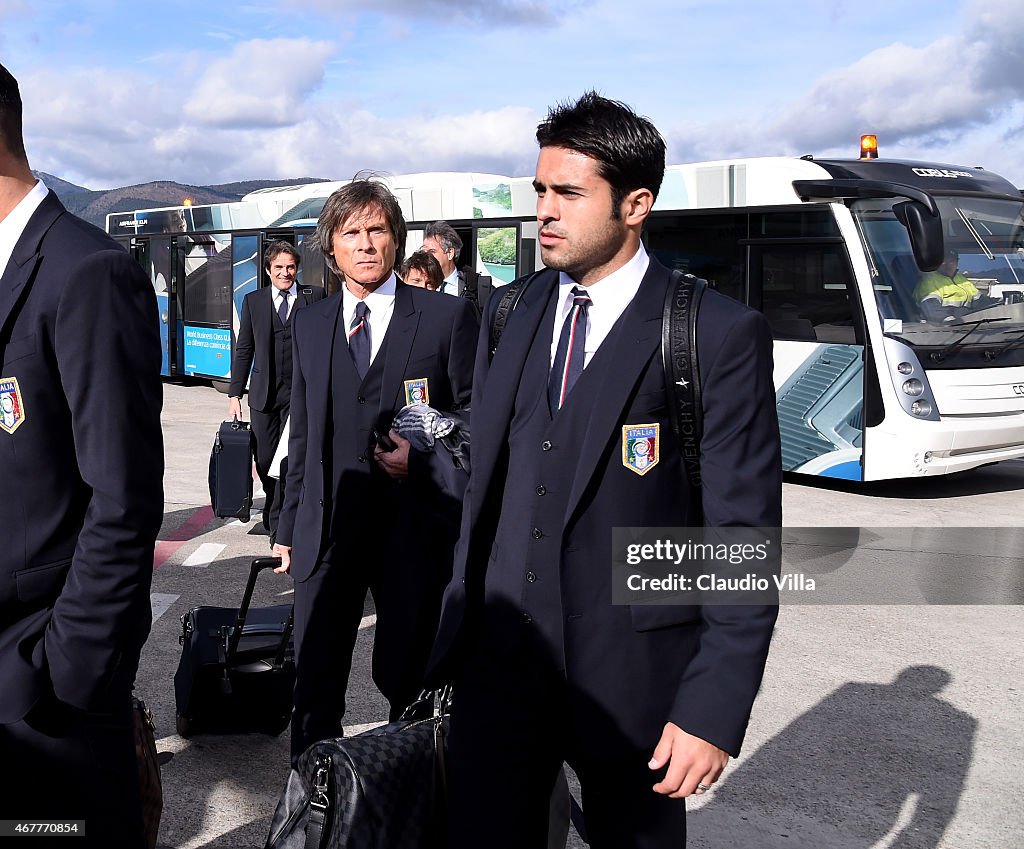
(258, 565)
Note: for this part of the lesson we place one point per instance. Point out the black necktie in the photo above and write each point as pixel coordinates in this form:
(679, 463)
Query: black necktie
(282, 310)
(359, 339)
(569, 354)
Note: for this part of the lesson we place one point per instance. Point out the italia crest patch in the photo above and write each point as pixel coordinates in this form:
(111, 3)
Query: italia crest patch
(12, 407)
(417, 391)
(641, 447)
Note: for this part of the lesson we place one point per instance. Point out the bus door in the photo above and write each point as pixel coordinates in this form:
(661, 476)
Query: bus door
(806, 291)
(153, 253)
(202, 293)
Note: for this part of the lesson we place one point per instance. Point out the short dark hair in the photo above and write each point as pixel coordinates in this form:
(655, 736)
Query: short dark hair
(629, 150)
(10, 116)
(445, 235)
(427, 263)
(280, 246)
(366, 191)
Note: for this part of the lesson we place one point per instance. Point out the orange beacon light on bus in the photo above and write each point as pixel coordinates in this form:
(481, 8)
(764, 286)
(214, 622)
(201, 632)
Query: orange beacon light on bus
(869, 146)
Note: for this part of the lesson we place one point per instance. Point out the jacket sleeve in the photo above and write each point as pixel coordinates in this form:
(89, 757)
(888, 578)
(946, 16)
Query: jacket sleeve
(741, 472)
(245, 349)
(107, 346)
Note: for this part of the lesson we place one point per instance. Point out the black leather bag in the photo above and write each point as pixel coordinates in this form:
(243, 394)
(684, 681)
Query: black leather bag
(382, 789)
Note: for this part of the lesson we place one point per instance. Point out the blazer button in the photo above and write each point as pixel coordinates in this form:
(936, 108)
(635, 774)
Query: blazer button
(537, 533)
(542, 490)
(527, 619)
(545, 445)
(361, 458)
(360, 399)
(321, 502)
(531, 577)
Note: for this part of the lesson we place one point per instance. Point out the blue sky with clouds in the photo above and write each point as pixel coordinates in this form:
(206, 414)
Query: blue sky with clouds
(206, 92)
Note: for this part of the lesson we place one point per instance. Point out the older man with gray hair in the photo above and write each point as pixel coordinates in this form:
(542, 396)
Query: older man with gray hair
(442, 241)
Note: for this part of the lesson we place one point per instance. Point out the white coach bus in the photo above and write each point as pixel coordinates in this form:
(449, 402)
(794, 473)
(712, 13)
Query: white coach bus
(880, 370)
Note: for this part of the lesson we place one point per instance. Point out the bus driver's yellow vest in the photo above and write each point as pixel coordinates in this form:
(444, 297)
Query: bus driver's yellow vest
(955, 291)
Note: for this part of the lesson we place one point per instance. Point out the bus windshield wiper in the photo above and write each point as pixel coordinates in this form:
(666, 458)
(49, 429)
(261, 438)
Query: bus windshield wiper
(953, 347)
(974, 232)
(1016, 342)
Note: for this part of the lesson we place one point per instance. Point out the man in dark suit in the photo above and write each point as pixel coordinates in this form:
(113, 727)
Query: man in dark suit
(546, 668)
(352, 518)
(442, 241)
(82, 454)
(264, 344)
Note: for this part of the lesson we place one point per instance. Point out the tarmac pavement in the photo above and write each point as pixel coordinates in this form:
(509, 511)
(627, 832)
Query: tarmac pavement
(877, 726)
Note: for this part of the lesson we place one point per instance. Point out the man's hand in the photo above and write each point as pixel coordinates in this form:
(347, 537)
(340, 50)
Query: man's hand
(235, 408)
(691, 761)
(395, 463)
(285, 553)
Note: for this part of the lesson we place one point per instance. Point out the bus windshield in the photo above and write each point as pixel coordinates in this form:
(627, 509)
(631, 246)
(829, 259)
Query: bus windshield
(967, 313)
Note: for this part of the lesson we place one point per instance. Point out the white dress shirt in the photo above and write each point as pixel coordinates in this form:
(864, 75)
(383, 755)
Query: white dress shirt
(450, 284)
(381, 304)
(609, 298)
(16, 221)
(279, 294)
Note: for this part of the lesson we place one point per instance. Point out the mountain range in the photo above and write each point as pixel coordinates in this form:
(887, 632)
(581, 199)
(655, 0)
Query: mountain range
(94, 205)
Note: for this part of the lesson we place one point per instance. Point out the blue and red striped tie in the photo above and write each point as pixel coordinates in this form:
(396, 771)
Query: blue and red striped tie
(359, 339)
(569, 355)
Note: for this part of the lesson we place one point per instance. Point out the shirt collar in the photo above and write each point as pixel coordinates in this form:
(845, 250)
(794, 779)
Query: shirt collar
(291, 290)
(451, 280)
(613, 292)
(378, 299)
(12, 227)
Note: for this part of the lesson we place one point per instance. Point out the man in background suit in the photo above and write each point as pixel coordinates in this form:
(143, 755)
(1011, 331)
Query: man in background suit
(82, 458)
(444, 244)
(264, 344)
(353, 516)
(645, 702)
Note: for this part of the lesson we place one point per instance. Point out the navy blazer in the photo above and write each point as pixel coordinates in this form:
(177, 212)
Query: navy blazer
(83, 468)
(252, 346)
(642, 665)
(430, 336)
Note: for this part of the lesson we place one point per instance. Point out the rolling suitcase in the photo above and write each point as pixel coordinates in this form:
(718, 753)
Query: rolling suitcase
(237, 667)
(231, 471)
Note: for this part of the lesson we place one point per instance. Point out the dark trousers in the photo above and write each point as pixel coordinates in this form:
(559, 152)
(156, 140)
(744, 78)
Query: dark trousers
(511, 728)
(328, 610)
(266, 429)
(66, 764)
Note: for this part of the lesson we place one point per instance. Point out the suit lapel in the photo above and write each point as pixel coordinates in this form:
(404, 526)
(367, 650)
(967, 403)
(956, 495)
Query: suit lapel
(318, 384)
(635, 339)
(493, 402)
(26, 257)
(401, 333)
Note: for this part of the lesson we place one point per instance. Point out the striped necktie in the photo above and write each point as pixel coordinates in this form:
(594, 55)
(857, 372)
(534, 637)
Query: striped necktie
(359, 339)
(569, 355)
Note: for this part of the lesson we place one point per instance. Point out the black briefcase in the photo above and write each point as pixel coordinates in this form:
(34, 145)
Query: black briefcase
(231, 471)
(384, 788)
(237, 667)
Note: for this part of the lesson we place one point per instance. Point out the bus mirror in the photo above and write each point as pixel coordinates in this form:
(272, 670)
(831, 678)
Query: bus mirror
(925, 231)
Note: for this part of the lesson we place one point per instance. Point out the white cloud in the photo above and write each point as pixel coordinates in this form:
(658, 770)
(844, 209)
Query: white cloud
(261, 83)
(948, 98)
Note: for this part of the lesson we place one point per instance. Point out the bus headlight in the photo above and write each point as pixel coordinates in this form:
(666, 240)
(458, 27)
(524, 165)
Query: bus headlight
(921, 408)
(905, 368)
(914, 387)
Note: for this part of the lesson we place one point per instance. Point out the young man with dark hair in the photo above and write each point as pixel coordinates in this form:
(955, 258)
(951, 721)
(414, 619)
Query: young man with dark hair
(422, 270)
(645, 702)
(351, 519)
(264, 346)
(82, 457)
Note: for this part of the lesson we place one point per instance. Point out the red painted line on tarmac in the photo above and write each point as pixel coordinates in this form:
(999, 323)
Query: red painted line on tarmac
(187, 530)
